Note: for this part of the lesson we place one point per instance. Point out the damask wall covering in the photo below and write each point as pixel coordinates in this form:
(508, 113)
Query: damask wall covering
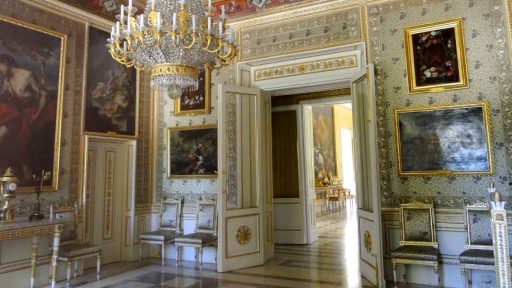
(190, 189)
(484, 30)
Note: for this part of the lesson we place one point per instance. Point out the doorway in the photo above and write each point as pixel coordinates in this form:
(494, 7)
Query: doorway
(327, 135)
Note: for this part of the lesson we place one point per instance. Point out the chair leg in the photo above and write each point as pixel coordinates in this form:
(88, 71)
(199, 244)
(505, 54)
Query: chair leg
(98, 267)
(394, 274)
(464, 276)
(436, 270)
(140, 252)
(68, 274)
(177, 254)
(163, 254)
(76, 268)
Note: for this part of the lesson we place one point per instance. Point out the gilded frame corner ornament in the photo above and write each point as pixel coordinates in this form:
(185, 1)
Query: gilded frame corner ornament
(60, 98)
(457, 25)
(207, 98)
(486, 118)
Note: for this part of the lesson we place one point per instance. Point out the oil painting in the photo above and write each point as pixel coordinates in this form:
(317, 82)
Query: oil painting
(323, 139)
(444, 140)
(436, 58)
(31, 86)
(193, 152)
(111, 92)
(195, 102)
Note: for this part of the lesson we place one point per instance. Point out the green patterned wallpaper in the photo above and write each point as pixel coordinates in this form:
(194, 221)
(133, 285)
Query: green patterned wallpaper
(487, 55)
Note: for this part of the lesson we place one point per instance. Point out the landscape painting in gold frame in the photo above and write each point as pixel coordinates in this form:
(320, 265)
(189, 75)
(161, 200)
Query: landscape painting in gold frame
(192, 151)
(444, 140)
(32, 68)
(436, 57)
(196, 102)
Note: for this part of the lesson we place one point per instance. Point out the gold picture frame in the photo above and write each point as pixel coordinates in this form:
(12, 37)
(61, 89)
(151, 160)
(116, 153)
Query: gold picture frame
(58, 101)
(436, 57)
(86, 118)
(185, 145)
(180, 110)
(444, 140)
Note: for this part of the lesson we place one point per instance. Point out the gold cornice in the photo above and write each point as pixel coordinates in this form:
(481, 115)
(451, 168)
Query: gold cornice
(288, 12)
(323, 65)
(70, 12)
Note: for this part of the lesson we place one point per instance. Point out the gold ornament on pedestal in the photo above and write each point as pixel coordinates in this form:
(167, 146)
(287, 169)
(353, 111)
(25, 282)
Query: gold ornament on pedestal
(8, 185)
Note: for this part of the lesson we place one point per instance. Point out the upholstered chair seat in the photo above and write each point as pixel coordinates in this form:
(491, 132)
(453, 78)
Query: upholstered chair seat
(168, 229)
(198, 238)
(159, 235)
(477, 256)
(416, 253)
(78, 249)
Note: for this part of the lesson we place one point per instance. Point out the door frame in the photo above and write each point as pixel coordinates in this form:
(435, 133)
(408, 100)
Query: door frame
(128, 252)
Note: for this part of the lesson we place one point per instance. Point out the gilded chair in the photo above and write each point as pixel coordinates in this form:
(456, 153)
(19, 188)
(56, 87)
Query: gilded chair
(418, 244)
(478, 253)
(206, 231)
(334, 196)
(168, 228)
(71, 251)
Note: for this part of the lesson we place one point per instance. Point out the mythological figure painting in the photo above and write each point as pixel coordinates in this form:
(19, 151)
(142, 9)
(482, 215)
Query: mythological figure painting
(323, 139)
(444, 140)
(31, 79)
(193, 152)
(436, 58)
(111, 92)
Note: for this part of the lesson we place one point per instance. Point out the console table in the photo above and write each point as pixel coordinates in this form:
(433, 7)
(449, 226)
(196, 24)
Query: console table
(22, 229)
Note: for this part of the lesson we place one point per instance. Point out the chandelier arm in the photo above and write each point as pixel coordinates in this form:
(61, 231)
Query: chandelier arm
(228, 54)
(192, 42)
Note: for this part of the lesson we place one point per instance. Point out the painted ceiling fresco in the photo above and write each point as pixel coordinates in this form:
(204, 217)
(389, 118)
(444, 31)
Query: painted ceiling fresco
(234, 8)
(104, 8)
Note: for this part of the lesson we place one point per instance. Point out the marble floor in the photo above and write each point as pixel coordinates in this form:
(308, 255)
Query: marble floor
(330, 262)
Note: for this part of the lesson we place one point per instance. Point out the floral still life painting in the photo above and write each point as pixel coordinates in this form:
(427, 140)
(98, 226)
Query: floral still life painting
(193, 152)
(436, 57)
(111, 92)
(31, 86)
(197, 101)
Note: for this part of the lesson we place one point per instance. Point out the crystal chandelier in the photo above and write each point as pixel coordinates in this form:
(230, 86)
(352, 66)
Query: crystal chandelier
(172, 39)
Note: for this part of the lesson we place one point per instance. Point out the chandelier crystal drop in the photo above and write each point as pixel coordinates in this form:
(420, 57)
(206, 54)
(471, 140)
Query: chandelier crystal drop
(173, 40)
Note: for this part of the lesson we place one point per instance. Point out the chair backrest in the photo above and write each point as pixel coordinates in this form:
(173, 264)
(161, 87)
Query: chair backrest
(417, 224)
(68, 215)
(170, 215)
(477, 223)
(206, 217)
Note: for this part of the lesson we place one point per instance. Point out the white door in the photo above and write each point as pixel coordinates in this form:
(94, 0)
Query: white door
(240, 235)
(308, 172)
(108, 177)
(367, 178)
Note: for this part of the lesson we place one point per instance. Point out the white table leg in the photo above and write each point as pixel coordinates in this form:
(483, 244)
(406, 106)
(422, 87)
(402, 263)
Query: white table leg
(56, 242)
(33, 262)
